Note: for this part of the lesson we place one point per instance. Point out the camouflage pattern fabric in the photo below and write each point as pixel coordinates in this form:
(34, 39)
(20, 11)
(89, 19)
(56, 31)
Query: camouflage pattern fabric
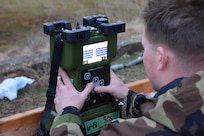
(67, 124)
(178, 112)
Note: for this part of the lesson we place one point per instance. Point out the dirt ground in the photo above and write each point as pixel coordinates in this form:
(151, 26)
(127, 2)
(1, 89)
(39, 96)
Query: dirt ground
(34, 95)
(33, 42)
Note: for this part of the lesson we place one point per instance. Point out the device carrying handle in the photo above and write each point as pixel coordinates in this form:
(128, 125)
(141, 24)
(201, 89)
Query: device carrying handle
(56, 57)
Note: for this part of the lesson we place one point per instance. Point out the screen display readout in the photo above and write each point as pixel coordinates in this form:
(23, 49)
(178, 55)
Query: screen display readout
(95, 52)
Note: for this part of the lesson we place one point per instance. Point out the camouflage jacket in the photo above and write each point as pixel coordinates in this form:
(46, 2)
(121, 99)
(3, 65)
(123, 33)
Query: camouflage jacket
(176, 110)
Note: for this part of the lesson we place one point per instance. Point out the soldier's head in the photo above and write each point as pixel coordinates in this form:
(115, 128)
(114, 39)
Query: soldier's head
(176, 26)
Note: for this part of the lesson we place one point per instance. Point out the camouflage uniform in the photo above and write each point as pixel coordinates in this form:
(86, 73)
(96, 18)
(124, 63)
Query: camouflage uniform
(177, 109)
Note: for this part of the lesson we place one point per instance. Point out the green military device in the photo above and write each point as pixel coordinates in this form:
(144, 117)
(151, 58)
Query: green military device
(86, 56)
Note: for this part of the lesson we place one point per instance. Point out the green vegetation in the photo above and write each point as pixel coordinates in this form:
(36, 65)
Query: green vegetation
(132, 73)
(21, 26)
(19, 17)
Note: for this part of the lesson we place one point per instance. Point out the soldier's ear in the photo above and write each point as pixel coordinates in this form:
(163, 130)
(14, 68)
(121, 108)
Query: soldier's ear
(162, 57)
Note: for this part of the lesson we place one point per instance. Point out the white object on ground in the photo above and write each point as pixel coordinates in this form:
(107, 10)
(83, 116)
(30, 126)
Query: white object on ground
(9, 87)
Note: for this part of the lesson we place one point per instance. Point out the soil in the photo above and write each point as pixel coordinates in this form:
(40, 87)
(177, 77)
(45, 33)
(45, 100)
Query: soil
(27, 53)
(34, 95)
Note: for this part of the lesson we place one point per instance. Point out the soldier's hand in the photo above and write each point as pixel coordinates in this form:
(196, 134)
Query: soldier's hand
(116, 88)
(67, 95)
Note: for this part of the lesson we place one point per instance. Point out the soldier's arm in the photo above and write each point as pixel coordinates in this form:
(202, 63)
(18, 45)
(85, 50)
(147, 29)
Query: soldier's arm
(67, 123)
(172, 113)
(136, 119)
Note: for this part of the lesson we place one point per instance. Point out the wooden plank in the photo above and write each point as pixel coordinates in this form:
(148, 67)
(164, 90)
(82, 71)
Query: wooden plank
(141, 86)
(26, 123)
(22, 124)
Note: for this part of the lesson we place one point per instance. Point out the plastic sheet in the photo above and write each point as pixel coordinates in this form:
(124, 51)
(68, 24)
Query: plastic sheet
(9, 87)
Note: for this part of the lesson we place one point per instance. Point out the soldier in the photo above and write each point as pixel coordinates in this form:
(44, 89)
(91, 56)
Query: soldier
(173, 43)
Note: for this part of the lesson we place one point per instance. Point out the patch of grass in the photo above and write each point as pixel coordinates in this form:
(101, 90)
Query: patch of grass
(21, 22)
(21, 16)
(4, 46)
(119, 9)
(133, 73)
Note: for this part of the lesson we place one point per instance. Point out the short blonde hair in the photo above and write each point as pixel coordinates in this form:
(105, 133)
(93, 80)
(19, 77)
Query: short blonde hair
(179, 24)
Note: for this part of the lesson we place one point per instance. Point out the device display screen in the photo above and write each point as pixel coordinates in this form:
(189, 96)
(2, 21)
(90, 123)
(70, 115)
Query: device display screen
(95, 52)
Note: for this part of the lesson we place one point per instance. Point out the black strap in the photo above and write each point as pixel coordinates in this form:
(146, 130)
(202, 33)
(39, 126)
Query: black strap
(56, 57)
